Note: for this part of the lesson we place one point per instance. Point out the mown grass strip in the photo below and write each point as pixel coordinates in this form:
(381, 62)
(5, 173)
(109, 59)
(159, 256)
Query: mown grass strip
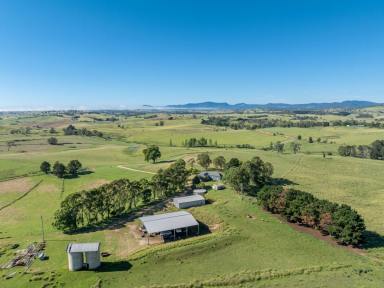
(242, 277)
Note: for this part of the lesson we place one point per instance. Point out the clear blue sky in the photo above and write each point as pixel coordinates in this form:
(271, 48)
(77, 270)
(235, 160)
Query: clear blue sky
(111, 53)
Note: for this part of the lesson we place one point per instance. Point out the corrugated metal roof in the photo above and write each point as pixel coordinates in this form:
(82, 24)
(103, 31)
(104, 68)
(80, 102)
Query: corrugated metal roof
(168, 221)
(215, 175)
(83, 247)
(187, 199)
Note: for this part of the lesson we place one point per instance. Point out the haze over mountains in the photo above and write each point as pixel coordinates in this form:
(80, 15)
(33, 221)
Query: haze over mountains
(349, 104)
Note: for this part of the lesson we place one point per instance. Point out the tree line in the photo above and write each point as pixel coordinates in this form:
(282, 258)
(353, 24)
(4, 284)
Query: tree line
(373, 151)
(60, 170)
(90, 207)
(258, 123)
(340, 221)
(199, 142)
(72, 130)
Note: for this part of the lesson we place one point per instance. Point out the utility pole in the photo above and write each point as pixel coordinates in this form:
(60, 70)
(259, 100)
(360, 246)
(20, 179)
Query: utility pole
(42, 228)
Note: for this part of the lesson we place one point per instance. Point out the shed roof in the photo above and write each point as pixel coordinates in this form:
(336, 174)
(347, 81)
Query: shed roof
(168, 221)
(83, 247)
(187, 199)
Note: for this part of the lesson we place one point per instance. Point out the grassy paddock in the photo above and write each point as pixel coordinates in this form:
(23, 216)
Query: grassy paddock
(241, 253)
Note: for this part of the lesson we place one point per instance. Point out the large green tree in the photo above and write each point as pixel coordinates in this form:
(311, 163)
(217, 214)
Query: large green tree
(45, 167)
(73, 167)
(219, 162)
(152, 153)
(238, 178)
(59, 169)
(204, 160)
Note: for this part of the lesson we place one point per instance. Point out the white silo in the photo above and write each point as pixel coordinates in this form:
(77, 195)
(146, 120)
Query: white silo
(92, 258)
(75, 259)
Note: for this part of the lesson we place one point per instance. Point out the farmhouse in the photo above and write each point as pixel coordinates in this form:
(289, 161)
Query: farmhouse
(169, 224)
(210, 176)
(83, 255)
(189, 201)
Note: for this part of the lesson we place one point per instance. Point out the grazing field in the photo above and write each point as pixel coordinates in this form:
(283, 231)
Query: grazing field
(248, 247)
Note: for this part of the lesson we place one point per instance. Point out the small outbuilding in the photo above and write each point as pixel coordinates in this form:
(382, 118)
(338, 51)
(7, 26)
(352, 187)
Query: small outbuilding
(188, 201)
(83, 256)
(218, 187)
(169, 223)
(199, 191)
(210, 176)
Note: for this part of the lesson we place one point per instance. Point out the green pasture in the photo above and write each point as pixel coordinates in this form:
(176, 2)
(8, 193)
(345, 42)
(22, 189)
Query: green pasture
(244, 252)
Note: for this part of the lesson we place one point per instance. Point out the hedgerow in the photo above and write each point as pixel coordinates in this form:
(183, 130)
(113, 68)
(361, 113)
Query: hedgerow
(340, 221)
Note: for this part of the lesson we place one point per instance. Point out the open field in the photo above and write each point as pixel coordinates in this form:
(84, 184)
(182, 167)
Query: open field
(243, 252)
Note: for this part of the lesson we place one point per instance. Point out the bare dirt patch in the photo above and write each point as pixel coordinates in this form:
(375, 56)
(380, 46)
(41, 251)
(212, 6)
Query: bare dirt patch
(128, 240)
(16, 185)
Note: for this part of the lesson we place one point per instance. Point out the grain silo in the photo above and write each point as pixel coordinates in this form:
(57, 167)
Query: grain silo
(75, 259)
(83, 256)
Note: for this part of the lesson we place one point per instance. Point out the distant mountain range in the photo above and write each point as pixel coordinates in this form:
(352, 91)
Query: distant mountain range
(276, 106)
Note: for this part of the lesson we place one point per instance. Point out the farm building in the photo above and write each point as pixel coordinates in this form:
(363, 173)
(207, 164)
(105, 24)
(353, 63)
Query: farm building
(199, 191)
(210, 176)
(83, 255)
(189, 201)
(218, 187)
(169, 223)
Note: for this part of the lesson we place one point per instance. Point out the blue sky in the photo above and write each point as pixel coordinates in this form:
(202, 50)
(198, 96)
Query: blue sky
(74, 53)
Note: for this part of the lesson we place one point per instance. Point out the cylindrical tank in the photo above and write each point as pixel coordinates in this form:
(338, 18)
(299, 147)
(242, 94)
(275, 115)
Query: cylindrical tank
(92, 259)
(75, 261)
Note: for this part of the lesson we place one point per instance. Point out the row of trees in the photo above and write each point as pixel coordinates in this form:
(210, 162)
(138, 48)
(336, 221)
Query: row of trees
(201, 142)
(373, 151)
(205, 161)
(256, 123)
(90, 207)
(339, 221)
(279, 147)
(245, 177)
(72, 130)
(60, 170)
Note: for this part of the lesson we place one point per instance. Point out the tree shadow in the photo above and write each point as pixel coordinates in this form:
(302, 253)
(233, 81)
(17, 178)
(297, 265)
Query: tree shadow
(372, 240)
(282, 181)
(114, 266)
(164, 161)
(80, 173)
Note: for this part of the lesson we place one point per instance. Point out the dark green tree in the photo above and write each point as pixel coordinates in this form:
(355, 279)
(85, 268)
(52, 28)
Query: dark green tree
(59, 169)
(73, 167)
(45, 167)
(152, 153)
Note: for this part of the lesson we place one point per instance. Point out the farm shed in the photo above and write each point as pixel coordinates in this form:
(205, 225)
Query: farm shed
(83, 255)
(199, 191)
(210, 176)
(189, 201)
(169, 222)
(218, 187)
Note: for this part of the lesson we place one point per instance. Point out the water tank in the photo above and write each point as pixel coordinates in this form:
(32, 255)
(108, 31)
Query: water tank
(75, 261)
(92, 259)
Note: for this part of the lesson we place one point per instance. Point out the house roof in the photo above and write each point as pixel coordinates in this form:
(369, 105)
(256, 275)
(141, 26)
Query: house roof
(83, 247)
(187, 199)
(210, 174)
(168, 221)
